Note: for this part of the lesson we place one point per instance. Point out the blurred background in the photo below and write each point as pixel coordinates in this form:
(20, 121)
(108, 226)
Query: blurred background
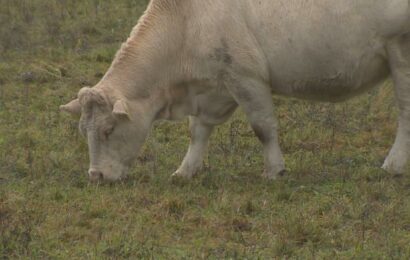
(335, 202)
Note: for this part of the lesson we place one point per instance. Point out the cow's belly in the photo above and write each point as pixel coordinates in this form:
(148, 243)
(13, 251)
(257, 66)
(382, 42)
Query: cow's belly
(339, 85)
(214, 107)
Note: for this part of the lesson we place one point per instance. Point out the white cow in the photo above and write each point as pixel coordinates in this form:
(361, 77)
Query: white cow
(203, 58)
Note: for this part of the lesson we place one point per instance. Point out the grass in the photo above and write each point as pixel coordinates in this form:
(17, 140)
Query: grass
(335, 203)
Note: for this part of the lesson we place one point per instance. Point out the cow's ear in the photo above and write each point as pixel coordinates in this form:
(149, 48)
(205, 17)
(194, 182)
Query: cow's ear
(73, 107)
(120, 109)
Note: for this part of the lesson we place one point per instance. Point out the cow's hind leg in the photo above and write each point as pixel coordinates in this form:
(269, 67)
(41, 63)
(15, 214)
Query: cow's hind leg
(192, 162)
(397, 161)
(255, 99)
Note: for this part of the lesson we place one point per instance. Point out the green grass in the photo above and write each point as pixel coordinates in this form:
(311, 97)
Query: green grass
(335, 203)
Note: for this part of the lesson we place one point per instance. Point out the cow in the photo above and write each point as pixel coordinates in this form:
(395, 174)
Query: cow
(204, 58)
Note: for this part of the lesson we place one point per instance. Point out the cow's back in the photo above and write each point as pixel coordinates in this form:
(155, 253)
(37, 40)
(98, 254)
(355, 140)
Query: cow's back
(326, 49)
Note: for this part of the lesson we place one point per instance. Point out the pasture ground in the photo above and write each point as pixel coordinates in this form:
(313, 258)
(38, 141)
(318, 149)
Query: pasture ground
(335, 202)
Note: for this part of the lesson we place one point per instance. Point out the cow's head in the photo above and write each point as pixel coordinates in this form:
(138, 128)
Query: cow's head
(115, 131)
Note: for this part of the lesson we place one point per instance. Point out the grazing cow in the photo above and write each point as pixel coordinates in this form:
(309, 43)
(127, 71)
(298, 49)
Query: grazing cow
(204, 58)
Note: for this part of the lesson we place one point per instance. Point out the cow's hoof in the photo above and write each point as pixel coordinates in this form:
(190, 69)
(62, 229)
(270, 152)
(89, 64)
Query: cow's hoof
(396, 163)
(182, 174)
(274, 176)
(391, 169)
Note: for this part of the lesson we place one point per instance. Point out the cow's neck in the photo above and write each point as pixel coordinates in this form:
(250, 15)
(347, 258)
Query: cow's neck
(150, 66)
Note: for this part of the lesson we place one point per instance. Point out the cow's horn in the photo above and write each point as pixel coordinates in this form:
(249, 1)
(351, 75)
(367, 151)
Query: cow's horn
(120, 109)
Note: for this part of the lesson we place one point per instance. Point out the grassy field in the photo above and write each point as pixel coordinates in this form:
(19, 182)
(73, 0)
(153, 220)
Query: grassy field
(335, 202)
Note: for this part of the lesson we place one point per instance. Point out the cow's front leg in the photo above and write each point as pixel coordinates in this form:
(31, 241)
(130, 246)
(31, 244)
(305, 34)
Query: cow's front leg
(193, 160)
(255, 99)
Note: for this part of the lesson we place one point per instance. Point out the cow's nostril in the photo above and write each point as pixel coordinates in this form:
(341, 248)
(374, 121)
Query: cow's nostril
(95, 175)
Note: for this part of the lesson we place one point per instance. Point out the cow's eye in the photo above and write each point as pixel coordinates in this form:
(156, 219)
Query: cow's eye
(108, 132)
